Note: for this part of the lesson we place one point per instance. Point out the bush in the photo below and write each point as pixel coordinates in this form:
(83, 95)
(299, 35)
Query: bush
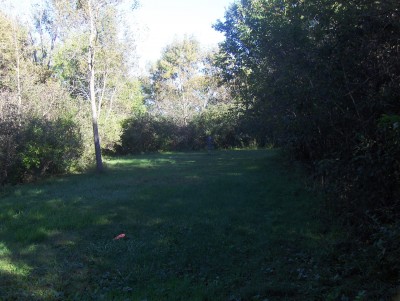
(9, 129)
(35, 147)
(148, 133)
(145, 133)
(219, 123)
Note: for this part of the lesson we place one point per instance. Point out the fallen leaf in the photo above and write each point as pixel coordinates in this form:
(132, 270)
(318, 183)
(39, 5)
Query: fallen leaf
(122, 235)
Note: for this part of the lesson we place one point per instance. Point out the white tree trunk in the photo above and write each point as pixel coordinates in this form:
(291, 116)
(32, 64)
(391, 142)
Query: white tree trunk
(91, 63)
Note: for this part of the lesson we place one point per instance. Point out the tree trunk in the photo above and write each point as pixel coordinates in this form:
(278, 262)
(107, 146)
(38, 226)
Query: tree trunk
(103, 90)
(17, 68)
(93, 35)
(97, 148)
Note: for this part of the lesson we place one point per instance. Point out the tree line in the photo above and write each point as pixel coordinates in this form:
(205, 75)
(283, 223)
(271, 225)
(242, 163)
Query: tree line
(321, 78)
(186, 102)
(65, 86)
(73, 63)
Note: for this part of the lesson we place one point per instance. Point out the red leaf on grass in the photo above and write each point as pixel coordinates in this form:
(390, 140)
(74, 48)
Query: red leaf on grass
(122, 235)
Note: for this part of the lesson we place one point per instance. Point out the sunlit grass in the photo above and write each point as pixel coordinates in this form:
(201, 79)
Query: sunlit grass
(7, 266)
(4, 251)
(14, 269)
(231, 225)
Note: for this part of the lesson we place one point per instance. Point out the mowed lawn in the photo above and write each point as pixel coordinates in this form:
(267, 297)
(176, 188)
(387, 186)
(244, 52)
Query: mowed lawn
(226, 225)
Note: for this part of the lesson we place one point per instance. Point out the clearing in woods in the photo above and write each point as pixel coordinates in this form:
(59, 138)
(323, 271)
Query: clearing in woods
(226, 225)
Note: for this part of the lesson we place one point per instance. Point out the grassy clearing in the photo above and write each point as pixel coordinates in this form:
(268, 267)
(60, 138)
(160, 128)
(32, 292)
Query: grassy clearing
(232, 225)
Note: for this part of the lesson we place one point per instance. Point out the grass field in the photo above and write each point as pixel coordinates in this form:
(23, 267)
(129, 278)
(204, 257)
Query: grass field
(227, 225)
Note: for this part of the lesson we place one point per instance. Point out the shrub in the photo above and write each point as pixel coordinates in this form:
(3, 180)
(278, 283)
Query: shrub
(145, 133)
(9, 129)
(35, 147)
(149, 133)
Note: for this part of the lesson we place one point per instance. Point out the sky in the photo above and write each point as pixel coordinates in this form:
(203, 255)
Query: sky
(159, 22)
(164, 20)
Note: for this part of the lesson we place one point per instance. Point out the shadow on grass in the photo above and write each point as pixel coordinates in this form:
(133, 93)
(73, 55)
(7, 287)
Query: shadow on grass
(228, 225)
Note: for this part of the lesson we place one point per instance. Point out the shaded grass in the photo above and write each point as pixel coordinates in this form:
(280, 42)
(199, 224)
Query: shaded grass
(232, 225)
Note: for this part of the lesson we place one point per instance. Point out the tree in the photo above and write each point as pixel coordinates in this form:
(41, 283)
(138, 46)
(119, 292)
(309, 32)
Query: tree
(322, 76)
(34, 112)
(306, 68)
(95, 21)
(44, 35)
(14, 57)
(179, 82)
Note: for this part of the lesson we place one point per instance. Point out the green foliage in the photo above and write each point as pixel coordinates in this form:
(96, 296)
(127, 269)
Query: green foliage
(50, 146)
(389, 123)
(8, 143)
(149, 133)
(182, 82)
(223, 124)
(146, 133)
(320, 78)
(14, 52)
(39, 147)
(44, 79)
(70, 64)
(178, 59)
(131, 98)
(128, 100)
